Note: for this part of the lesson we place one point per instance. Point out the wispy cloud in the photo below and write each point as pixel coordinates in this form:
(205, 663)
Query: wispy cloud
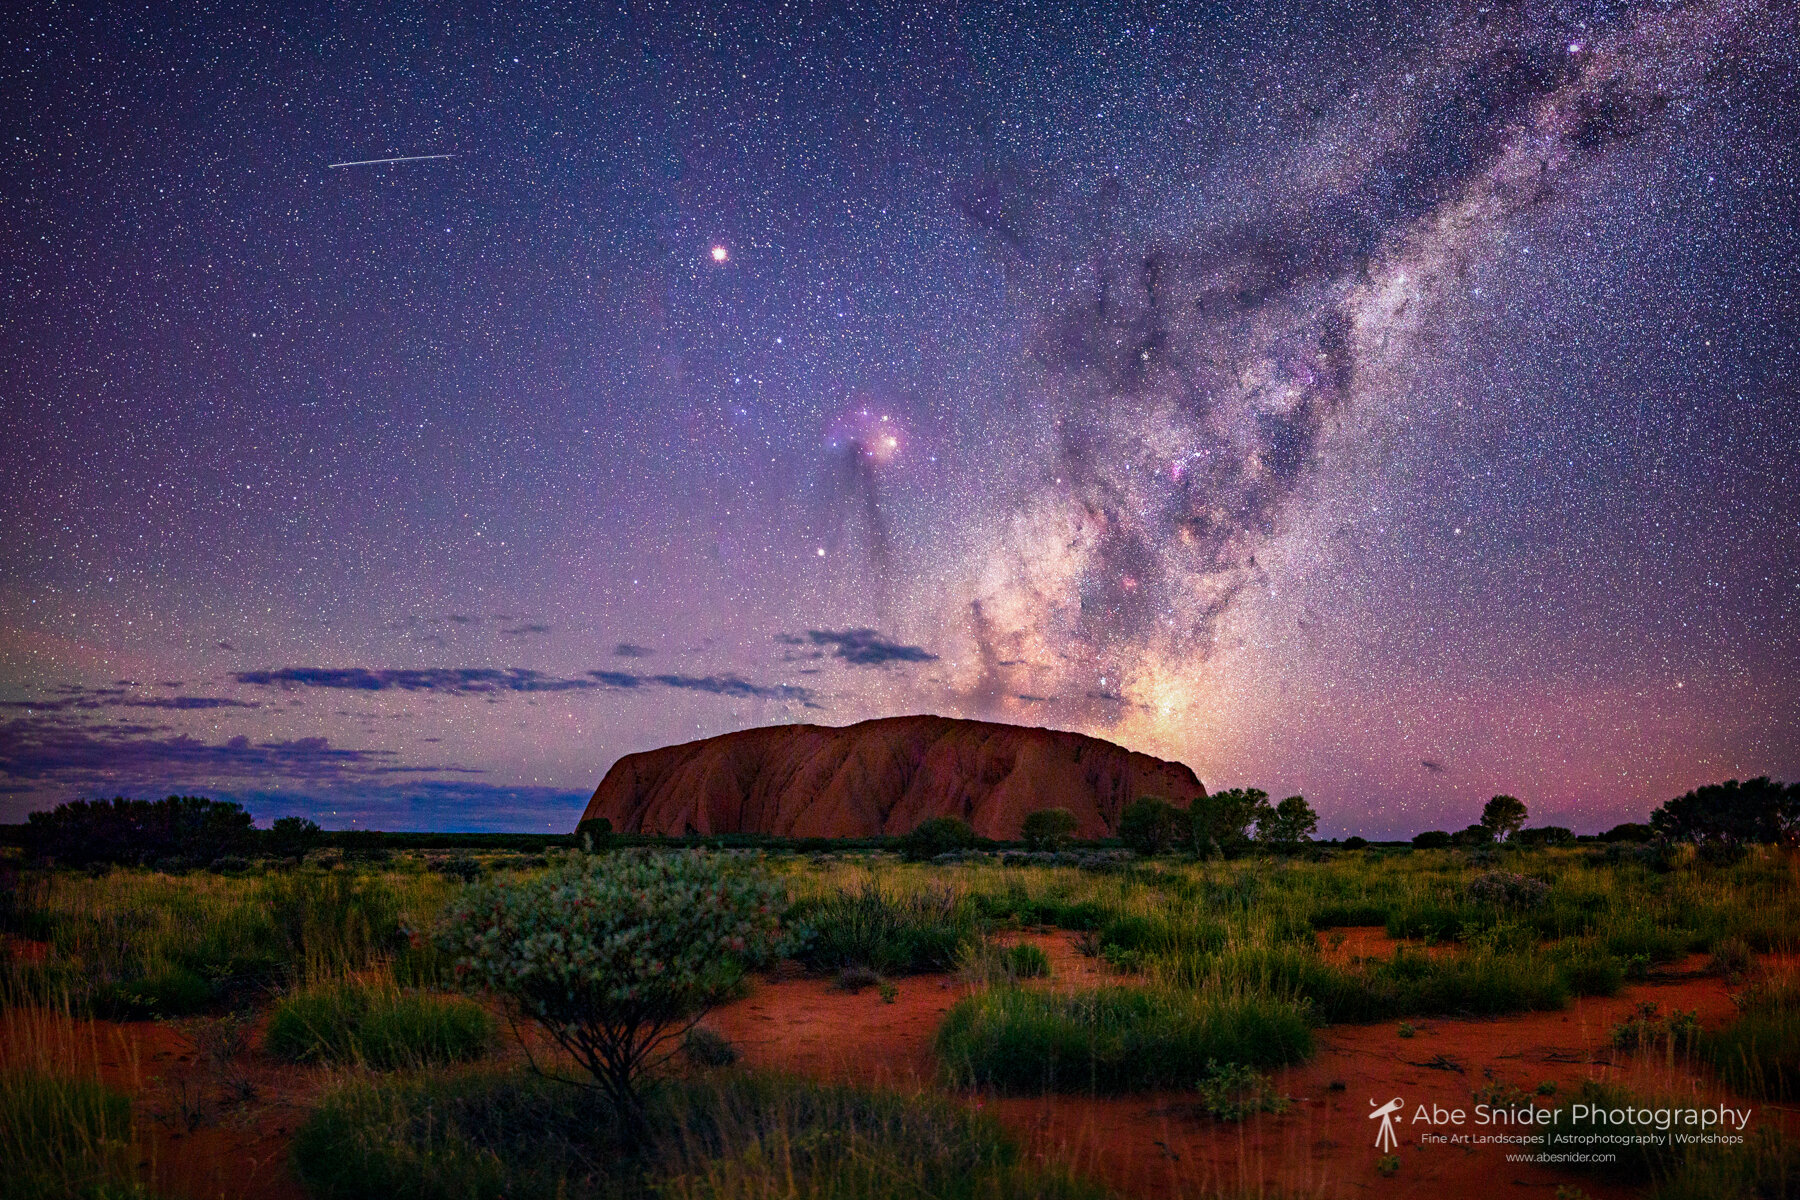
(471, 681)
(860, 647)
(56, 749)
(455, 681)
(69, 699)
(627, 650)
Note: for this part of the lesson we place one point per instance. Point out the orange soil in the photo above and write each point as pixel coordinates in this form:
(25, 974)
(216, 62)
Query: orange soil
(1144, 1145)
(1164, 1145)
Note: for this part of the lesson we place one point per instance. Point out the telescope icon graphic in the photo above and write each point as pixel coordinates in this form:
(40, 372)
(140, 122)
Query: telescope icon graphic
(1385, 1139)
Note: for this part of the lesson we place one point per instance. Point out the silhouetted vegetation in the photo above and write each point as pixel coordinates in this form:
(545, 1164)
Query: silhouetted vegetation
(177, 830)
(1219, 823)
(1049, 829)
(939, 835)
(1151, 825)
(1503, 816)
(1732, 814)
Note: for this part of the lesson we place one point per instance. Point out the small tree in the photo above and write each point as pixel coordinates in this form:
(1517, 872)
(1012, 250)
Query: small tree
(616, 957)
(939, 835)
(292, 837)
(1288, 826)
(1150, 825)
(1221, 822)
(1049, 829)
(1502, 816)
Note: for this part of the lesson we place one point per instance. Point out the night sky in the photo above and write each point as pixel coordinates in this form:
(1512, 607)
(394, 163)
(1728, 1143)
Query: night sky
(1391, 403)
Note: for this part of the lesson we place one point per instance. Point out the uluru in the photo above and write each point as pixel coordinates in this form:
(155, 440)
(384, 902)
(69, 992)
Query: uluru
(881, 778)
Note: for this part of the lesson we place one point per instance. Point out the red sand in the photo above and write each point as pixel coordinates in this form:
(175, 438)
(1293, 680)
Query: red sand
(1150, 1145)
(1163, 1145)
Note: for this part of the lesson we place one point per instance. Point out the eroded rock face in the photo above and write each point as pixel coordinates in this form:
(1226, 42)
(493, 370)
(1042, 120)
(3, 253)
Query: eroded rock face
(882, 777)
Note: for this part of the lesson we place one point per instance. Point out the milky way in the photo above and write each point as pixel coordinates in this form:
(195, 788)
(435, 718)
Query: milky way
(1390, 402)
(1192, 379)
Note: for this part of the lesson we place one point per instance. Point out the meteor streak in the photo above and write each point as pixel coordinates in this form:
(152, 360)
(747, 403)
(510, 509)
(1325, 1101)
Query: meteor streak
(370, 162)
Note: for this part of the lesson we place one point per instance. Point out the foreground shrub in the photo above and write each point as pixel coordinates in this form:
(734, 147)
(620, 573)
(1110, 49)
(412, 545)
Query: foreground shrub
(488, 1135)
(888, 933)
(1113, 1039)
(1233, 1091)
(1508, 890)
(63, 1136)
(382, 1028)
(616, 957)
(1759, 1053)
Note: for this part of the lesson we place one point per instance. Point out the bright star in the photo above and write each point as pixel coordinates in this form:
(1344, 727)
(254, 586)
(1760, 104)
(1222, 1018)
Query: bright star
(720, 254)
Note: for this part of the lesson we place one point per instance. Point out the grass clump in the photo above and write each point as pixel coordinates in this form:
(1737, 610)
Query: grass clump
(378, 1027)
(63, 1135)
(887, 931)
(1114, 1039)
(1026, 961)
(1759, 1053)
(490, 1134)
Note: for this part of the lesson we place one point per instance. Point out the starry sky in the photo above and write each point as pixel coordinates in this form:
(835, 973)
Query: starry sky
(1390, 402)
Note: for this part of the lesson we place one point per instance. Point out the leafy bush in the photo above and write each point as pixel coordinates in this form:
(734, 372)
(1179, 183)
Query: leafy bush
(489, 1135)
(1233, 1091)
(1113, 1039)
(1049, 829)
(381, 1028)
(1356, 843)
(615, 956)
(939, 835)
(1432, 839)
(888, 932)
(1649, 1029)
(190, 828)
(1508, 890)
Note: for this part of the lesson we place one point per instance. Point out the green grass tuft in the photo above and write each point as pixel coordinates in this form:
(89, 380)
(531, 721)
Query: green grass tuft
(889, 932)
(1759, 1053)
(1113, 1039)
(490, 1134)
(377, 1027)
(63, 1136)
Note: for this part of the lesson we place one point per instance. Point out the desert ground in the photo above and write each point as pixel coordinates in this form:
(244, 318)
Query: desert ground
(1616, 974)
